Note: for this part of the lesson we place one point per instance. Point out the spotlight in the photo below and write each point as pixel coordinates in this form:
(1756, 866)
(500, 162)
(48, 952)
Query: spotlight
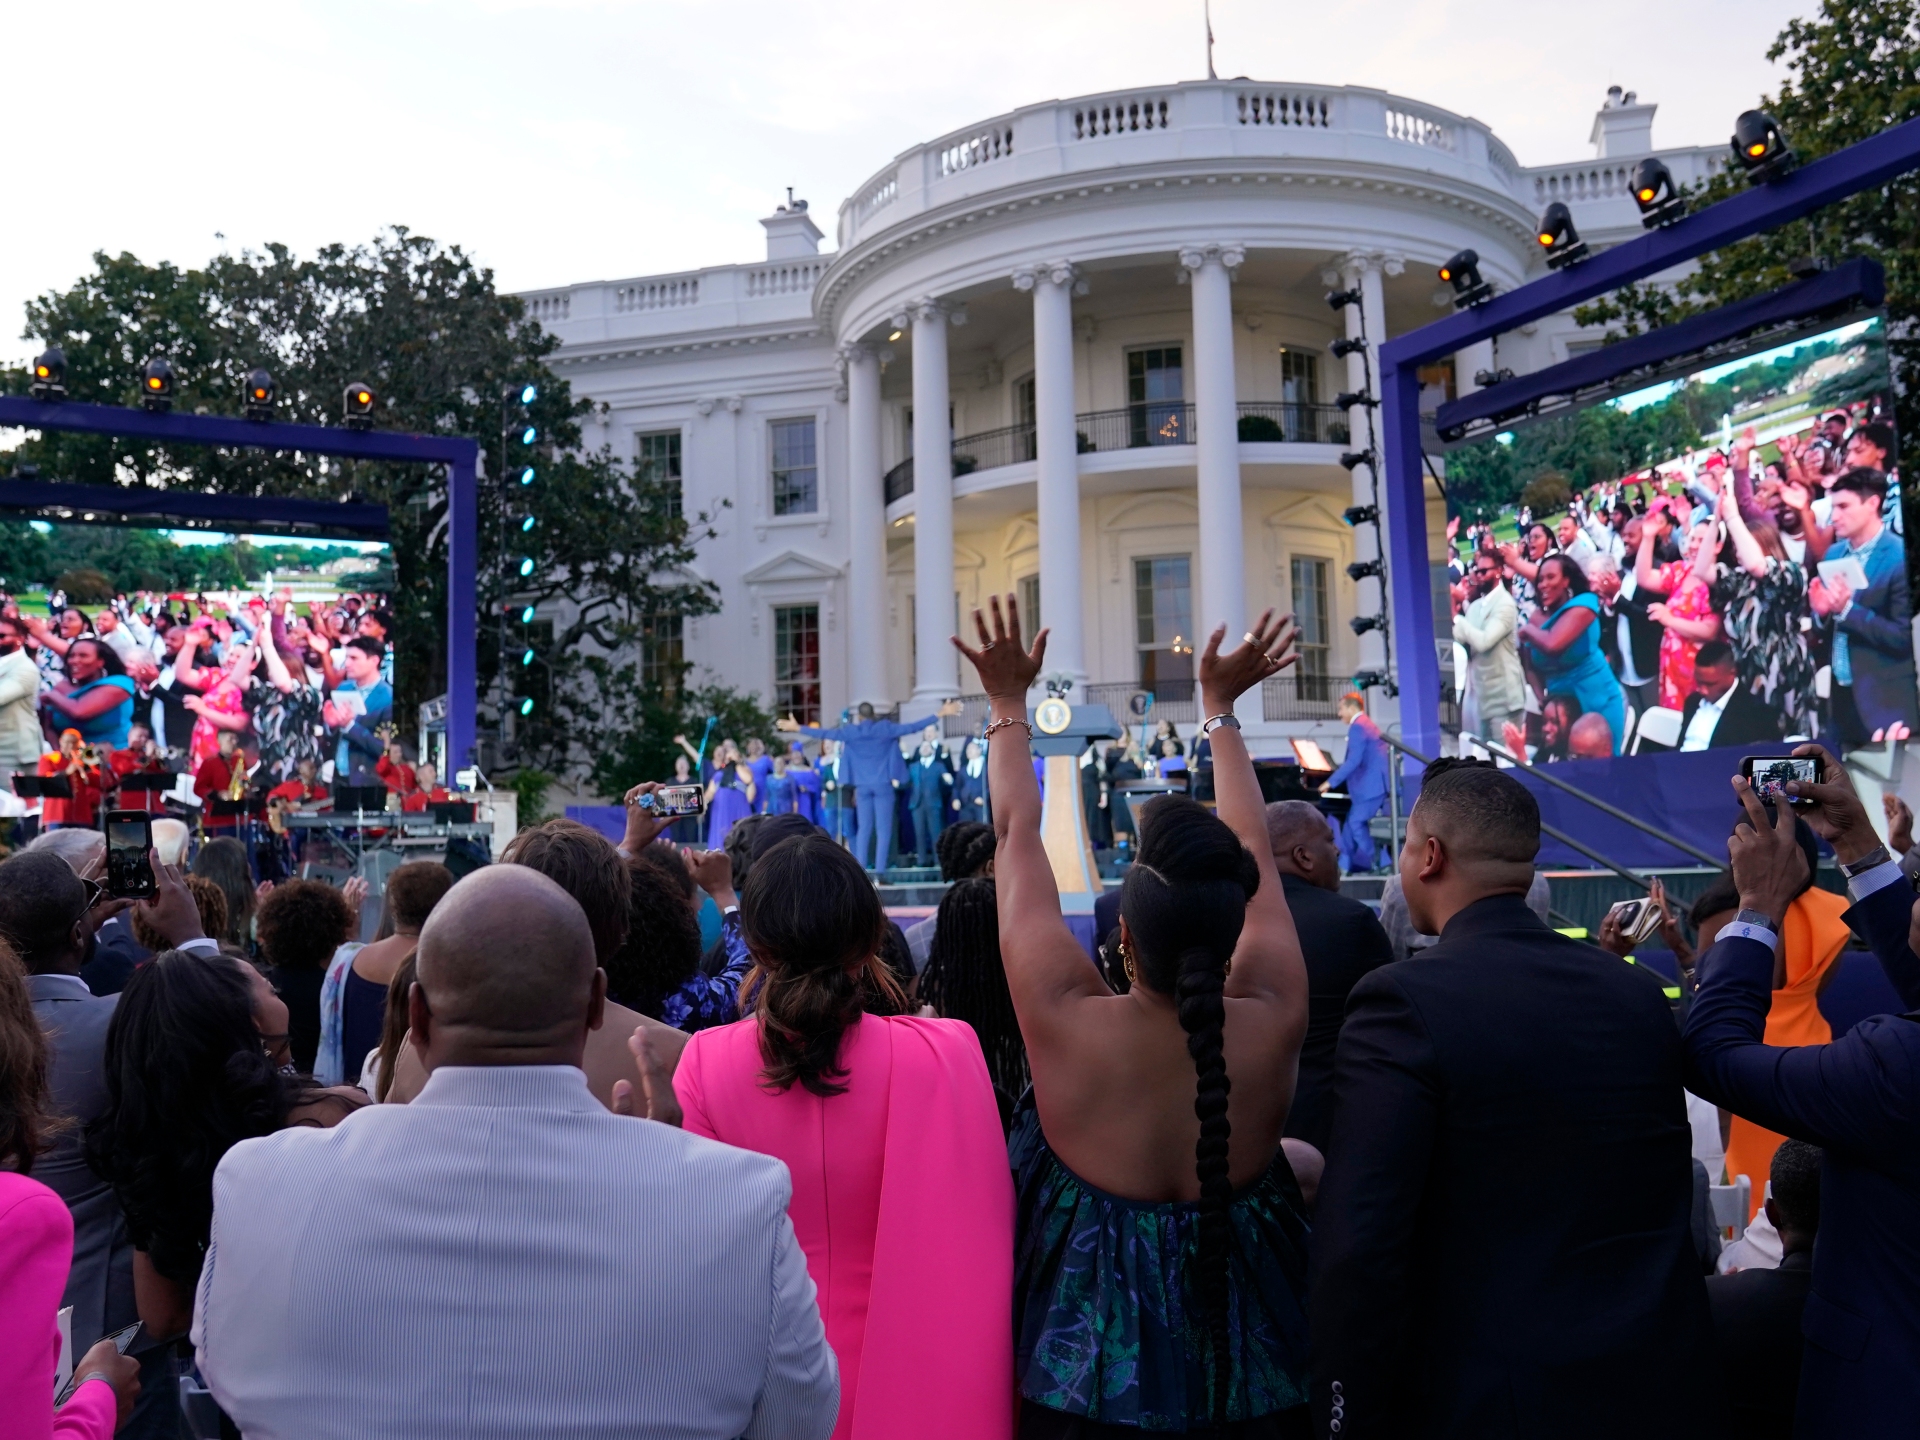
(1656, 195)
(1558, 237)
(530, 434)
(1463, 273)
(1486, 379)
(1361, 515)
(260, 395)
(1355, 457)
(1760, 148)
(526, 657)
(1347, 399)
(156, 385)
(1343, 348)
(529, 394)
(1361, 624)
(526, 566)
(526, 476)
(1363, 569)
(359, 405)
(526, 706)
(526, 616)
(895, 335)
(527, 525)
(49, 375)
(1340, 299)
(1374, 680)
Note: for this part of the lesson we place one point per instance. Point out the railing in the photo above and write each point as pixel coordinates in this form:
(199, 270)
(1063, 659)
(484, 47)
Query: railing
(1301, 697)
(878, 195)
(1586, 182)
(656, 295)
(1261, 420)
(974, 710)
(1284, 107)
(1135, 427)
(1178, 702)
(977, 150)
(1283, 698)
(1119, 117)
(991, 449)
(784, 279)
(547, 309)
(1417, 129)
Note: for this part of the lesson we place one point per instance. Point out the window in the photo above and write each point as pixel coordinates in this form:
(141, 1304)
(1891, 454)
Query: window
(656, 461)
(1025, 410)
(1311, 677)
(1029, 590)
(796, 472)
(1156, 384)
(796, 659)
(1299, 393)
(1163, 624)
(663, 655)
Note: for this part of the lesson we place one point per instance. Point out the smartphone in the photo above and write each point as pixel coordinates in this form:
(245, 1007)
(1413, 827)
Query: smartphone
(1638, 919)
(1769, 774)
(122, 1341)
(129, 839)
(673, 801)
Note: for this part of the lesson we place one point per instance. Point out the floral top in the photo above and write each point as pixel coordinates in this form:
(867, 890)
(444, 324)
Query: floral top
(1761, 615)
(224, 696)
(289, 727)
(707, 1000)
(1690, 598)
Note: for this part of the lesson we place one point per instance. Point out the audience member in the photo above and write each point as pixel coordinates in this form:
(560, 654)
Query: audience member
(656, 970)
(301, 924)
(845, 1092)
(170, 838)
(964, 980)
(1161, 1236)
(1721, 711)
(1561, 646)
(36, 1249)
(1873, 668)
(964, 851)
(1757, 1313)
(209, 902)
(353, 992)
(1406, 940)
(223, 860)
(376, 1076)
(1341, 941)
(1854, 1097)
(1484, 621)
(614, 1276)
(1457, 1263)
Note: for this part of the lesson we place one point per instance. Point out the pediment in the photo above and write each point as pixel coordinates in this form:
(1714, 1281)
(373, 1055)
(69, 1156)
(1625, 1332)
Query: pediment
(1313, 510)
(1153, 511)
(791, 565)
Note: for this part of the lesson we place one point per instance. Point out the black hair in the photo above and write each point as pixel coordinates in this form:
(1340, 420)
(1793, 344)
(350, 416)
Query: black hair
(1803, 835)
(964, 980)
(223, 860)
(1714, 653)
(963, 848)
(739, 846)
(1575, 577)
(26, 1121)
(1718, 898)
(1185, 902)
(367, 645)
(41, 900)
(302, 923)
(662, 948)
(187, 1078)
(1481, 811)
(1795, 1174)
(1864, 481)
(110, 660)
(1880, 435)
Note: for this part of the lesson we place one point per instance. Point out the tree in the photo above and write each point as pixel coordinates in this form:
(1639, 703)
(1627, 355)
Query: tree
(423, 325)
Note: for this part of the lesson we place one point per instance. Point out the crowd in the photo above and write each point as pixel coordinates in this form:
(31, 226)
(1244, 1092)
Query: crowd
(530, 1162)
(1726, 599)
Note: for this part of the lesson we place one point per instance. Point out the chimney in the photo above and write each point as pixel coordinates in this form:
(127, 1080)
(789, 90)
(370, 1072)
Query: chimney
(791, 233)
(1624, 127)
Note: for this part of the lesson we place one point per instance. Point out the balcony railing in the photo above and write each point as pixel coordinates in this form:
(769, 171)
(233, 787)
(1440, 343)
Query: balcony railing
(1135, 427)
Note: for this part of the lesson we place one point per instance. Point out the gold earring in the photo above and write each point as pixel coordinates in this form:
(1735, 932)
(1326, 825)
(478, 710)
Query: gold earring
(1126, 962)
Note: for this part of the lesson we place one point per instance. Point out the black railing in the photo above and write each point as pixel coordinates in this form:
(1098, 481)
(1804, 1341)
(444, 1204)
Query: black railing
(1261, 420)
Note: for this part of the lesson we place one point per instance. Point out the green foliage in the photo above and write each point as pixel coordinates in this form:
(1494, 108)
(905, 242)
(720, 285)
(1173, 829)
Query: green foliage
(1546, 494)
(530, 787)
(1256, 428)
(638, 743)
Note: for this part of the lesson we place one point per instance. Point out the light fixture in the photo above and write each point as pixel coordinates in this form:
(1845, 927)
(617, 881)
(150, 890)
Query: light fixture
(526, 476)
(1462, 272)
(1558, 237)
(530, 434)
(156, 385)
(1487, 379)
(1354, 458)
(527, 524)
(49, 375)
(526, 616)
(1353, 345)
(526, 706)
(1340, 299)
(1373, 680)
(1760, 148)
(1656, 195)
(1361, 624)
(526, 566)
(895, 336)
(1347, 399)
(529, 394)
(1361, 515)
(1362, 569)
(526, 656)
(260, 395)
(358, 404)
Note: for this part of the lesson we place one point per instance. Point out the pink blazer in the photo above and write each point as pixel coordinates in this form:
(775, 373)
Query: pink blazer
(36, 1251)
(903, 1202)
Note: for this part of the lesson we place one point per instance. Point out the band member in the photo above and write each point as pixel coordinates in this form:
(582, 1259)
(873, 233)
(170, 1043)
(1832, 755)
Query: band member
(221, 776)
(428, 790)
(81, 767)
(303, 791)
(140, 757)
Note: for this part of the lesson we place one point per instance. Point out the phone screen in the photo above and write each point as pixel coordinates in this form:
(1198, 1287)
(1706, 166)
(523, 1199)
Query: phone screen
(129, 838)
(1769, 775)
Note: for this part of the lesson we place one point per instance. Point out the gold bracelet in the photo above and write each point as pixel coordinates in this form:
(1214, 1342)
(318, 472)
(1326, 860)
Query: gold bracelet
(987, 734)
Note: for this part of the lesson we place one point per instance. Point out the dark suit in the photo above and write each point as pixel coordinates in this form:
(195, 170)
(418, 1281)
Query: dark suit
(1643, 638)
(1342, 941)
(1757, 1345)
(1465, 1281)
(1859, 1100)
(1879, 638)
(930, 792)
(1744, 721)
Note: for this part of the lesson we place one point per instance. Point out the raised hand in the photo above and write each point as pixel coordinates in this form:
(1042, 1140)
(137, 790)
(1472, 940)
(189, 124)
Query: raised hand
(1768, 865)
(643, 823)
(1265, 650)
(656, 1078)
(786, 722)
(1836, 813)
(1006, 670)
(712, 871)
(170, 909)
(950, 707)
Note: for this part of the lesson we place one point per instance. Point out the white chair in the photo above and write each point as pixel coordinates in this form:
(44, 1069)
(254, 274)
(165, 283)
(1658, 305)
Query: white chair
(1626, 735)
(1659, 725)
(1732, 1204)
(1823, 682)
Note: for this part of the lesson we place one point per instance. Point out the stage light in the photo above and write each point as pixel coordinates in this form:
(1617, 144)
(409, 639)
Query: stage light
(1361, 515)
(1760, 148)
(1487, 379)
(156, 385)
(529, 435)
(526, 566)
(359, 403)
(1561, 241)
(1373, 680)
(526, 476)
(526, 657)
(1343, 348)
(1340, 299)
(526, 616)
(1361, 624)
(260, 395)
(1363, 569)
(1463, 273)
(1347, 399)
(1656, 195)
(526, 706)
(527, 524)
(49, 375)
(529, 394)
(1353, 458)
(895, 336)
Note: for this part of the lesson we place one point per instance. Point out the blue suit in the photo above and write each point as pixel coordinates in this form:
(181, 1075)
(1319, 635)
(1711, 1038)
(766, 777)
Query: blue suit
(1873, 641)
(1363, 770)
(1857, 1098)
(930, 789)
(865, 769)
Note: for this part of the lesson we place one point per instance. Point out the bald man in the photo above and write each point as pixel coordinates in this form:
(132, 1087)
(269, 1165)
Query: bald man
(1591, 738)
(1505, 1248)
(514, 1259)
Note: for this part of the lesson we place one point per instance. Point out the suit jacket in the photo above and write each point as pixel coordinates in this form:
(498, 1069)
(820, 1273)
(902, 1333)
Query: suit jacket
(931, 785)
(1757, 1345)
(1745, 721)
(1342, 941)
(1643, 632)
(1464, 1283)
(1486, 625)
(504, 1258)
(1878, 631)
(1857, 1098)
(1363, 769)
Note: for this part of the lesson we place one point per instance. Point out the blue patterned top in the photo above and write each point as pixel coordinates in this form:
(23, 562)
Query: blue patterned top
(1107, 1326)
(707, 1000)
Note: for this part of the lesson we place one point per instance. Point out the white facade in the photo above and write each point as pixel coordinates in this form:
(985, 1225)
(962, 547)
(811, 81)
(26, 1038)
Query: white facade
(1075, 279)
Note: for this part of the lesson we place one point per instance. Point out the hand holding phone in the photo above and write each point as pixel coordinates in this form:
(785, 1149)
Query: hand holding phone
(1770, 775)
(129, 842)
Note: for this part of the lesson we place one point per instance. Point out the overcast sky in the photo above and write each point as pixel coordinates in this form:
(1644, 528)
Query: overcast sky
(570, 140)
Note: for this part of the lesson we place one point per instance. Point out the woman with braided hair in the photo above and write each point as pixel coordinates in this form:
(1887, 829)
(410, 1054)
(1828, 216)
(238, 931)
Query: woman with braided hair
(964, 980)
(1160, 1260)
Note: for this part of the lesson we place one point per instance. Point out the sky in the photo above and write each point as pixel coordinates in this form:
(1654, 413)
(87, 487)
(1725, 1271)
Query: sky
(570, 140)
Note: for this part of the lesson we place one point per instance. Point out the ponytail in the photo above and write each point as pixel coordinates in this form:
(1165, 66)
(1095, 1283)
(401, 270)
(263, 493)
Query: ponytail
(1203, 1014)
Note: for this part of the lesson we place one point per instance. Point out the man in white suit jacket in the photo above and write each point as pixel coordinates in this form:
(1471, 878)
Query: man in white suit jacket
(503, 1258)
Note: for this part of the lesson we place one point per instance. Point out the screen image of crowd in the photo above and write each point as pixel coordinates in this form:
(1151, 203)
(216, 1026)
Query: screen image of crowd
(1743, 581)
(257, 692)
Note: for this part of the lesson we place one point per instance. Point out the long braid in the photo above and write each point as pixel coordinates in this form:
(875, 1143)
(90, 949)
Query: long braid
(1203, 1015)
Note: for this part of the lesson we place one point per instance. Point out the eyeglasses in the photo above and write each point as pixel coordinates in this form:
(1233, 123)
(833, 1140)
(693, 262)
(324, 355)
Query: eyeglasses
(95, 892)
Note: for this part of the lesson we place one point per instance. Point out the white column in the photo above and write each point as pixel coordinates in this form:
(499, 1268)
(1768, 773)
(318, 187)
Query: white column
(1468, 363)
(1363, 274)
(936, 662)
(867, 529)
(1220, 567)
(1057, 468)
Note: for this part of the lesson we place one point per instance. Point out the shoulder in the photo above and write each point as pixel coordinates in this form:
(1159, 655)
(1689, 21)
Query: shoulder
(30, 1213)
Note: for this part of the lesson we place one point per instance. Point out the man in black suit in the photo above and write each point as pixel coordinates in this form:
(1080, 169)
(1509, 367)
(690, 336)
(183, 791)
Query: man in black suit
(1465, 1281)
(1629, 637)
(1721, 711)
(1342, 941)
(1857, 1098)
(1756, 1313)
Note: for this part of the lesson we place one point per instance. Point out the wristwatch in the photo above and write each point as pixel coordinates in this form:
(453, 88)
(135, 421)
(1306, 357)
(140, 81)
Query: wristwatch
(1876, 856)
(1757, 917)
(1214, 722)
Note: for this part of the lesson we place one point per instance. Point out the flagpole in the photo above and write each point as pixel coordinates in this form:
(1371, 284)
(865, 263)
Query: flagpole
(1207, 10)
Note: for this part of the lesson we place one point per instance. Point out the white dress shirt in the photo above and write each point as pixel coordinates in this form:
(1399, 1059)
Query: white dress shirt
(504, 1259)
(1706, 719)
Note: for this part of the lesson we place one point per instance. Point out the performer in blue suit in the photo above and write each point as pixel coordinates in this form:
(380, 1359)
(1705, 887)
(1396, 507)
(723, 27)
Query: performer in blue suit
(1363, 770)
(868, 750)
(931, 791)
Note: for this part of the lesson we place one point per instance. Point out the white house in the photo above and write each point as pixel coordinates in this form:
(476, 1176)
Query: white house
(1078, 352)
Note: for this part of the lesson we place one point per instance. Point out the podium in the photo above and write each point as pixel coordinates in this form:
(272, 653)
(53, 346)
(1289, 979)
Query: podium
(1061, 735)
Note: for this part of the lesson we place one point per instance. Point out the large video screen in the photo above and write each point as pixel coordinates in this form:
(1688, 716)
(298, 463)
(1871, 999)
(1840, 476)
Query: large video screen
(281, 640)
(1715, 560)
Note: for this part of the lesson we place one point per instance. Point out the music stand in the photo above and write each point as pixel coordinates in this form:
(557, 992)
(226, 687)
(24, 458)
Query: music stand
(43, 787)
(451, 812)
(359, 800)
(147, 780)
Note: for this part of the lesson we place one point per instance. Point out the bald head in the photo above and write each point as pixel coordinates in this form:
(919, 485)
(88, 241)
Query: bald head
(1302, 843)
(1591, 738)
(506, 974)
